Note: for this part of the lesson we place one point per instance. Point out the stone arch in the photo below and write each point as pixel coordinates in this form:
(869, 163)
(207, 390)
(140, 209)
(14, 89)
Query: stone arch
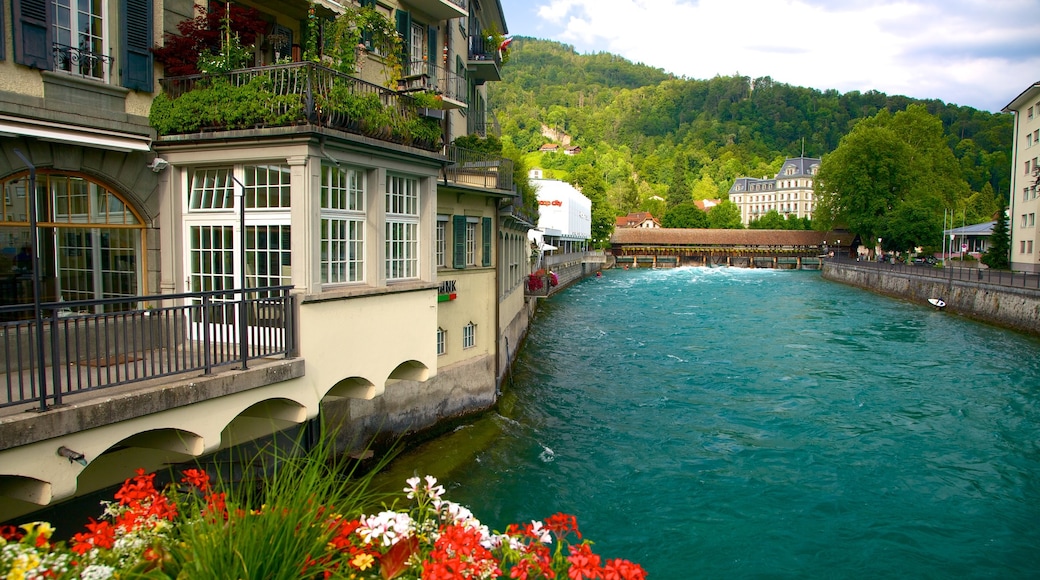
(25, 489)
(410, 370)
(261, 419)
(353, 388)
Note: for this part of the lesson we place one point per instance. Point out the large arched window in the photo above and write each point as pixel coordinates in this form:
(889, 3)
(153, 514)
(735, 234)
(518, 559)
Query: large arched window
(90, 241)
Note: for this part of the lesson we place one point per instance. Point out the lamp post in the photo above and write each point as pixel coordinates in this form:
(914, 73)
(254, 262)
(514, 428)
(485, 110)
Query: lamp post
(34, 246)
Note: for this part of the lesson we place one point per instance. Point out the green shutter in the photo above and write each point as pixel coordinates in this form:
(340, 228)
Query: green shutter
(431, 57)
(136, 37)
(486, 250)
(458, 235)
(366, 34)
(3, 42)
(404, 28)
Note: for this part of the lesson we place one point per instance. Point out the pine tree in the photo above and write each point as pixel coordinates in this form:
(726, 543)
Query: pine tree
(996, 256)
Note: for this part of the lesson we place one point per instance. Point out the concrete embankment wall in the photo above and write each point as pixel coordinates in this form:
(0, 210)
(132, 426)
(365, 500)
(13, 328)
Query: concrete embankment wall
(1015, 308)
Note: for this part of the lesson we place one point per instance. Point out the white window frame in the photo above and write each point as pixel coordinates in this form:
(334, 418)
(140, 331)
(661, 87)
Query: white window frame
(469, 336)
(214, 207)
(402, 244)
(442, 336)
(93, 62)
(442, 239)
(343, 224)
(471, 241)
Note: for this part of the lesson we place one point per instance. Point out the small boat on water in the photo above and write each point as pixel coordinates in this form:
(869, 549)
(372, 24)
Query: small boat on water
(938, 303)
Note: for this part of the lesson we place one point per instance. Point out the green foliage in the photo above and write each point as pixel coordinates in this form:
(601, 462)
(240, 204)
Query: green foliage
(489, 145)
(684, 215)
(640, 125)
(355, 27)
(725, 216)
(997, 256)
(221, 104)
(891, 177)
(587, 179)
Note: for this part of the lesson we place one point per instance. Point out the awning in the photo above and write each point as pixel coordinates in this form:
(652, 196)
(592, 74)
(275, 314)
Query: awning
(10, 126)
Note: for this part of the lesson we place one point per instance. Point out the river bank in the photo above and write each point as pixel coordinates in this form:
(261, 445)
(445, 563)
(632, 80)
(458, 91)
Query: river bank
(1005, 306)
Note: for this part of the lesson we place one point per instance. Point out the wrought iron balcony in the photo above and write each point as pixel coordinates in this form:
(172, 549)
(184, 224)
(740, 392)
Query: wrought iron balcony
(94, 344)
(450, 87)
(474, 169)
(81, 62)
(485, 62)
(292, 94)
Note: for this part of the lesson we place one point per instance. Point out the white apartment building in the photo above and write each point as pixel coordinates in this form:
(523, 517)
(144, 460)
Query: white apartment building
(1025, 175)
(789, 192)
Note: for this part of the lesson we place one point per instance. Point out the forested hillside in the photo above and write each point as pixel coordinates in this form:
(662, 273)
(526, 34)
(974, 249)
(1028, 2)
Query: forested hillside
(648, 133)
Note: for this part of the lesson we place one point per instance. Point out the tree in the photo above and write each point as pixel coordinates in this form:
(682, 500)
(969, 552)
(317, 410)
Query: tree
(885, 163)
(591, 183)
(206, 35)
(678, 190)
(996, 256)
(684, 215)
(725, 216)
(771, 220)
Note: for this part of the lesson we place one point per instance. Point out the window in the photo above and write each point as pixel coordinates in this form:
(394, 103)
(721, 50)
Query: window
(90, 247)
(1029, 246)
(442, 240)
(79, 45)
(402, 227)
(214, 253)
(469, 335)
(486, 238)
(1022, 247)
(415, 49)
(1023, 220)
(471, 242)
(441, 334)
(342, 225)
(1029, 140)
(1032, 219)
(1030, 113)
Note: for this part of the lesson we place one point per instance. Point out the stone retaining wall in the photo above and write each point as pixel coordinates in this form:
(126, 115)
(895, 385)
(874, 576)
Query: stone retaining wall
(1014, 308)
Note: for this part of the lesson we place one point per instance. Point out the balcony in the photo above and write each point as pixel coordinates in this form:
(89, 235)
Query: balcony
(81, 346)
(474, 169)
(449, 87)
(485, 63)
(441, 9)
(294, 94)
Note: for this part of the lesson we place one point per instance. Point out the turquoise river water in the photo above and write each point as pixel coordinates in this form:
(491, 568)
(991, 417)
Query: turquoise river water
(736, 423)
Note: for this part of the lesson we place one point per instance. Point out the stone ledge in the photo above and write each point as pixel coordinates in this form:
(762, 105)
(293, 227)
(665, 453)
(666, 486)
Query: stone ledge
(22, 425)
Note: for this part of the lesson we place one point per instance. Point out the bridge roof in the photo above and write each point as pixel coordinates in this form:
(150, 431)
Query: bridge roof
(708, 237)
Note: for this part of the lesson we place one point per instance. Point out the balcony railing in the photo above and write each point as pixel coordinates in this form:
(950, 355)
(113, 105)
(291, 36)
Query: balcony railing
(81, 62)
(292, 94)
(476, 169)
(94, 344)
(451, 87)
(485, 62)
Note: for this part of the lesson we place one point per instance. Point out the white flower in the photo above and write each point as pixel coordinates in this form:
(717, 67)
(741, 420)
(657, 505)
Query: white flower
(389, 527)
(97, 572)
(538, 530)
(430, 490)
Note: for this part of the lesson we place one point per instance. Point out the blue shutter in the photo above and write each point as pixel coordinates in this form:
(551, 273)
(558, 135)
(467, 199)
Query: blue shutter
(136, 40)
(33, 39)
(486, 250)
(458, 236)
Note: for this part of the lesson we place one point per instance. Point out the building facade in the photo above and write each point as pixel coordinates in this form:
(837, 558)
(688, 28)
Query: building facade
(1025, 177)
(404, 253)
(789, 192)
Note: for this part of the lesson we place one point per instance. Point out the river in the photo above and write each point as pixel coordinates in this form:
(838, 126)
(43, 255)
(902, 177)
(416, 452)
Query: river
(749, 423)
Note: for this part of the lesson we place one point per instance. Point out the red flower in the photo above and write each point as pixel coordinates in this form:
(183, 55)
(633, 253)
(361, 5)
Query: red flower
(619, 569)
(561, 524)
(12, 533)
(584, 564)
(101, 535)
(196, 478)
(395, 561)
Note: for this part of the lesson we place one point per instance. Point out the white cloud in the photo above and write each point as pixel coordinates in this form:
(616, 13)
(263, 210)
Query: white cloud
(980, 53)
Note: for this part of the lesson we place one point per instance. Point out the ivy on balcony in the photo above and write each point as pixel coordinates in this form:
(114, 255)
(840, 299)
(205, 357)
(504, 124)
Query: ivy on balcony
(293, 94)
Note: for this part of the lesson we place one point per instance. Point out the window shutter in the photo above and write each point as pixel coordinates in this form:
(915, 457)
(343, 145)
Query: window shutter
(432, 56)
(486, 249)
(136, 40)
(404, 28)
(458, 236)
(33, 38)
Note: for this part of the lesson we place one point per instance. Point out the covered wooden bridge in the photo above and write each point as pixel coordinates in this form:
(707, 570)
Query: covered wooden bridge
(671, 247)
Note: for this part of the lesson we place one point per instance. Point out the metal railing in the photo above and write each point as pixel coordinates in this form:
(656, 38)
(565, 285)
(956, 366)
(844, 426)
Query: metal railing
(466, 167)
(1005, 278)
(423, 76)
(482, 49)
(81, 62)
(306, 92)
(94, 344)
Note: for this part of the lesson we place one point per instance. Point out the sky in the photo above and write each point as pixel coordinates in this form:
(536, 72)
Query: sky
(976, 53)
